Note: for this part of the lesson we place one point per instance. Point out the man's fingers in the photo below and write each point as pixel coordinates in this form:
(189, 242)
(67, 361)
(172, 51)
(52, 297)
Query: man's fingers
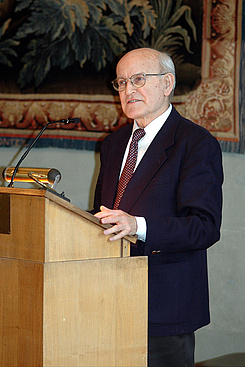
(122, 223)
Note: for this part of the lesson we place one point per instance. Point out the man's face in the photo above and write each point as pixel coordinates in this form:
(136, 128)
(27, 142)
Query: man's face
(148, 102)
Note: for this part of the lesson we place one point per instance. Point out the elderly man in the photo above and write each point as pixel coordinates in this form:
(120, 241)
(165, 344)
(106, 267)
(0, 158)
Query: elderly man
(161, 179)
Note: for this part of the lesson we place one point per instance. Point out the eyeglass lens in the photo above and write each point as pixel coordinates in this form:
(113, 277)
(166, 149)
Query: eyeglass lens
(137, 80)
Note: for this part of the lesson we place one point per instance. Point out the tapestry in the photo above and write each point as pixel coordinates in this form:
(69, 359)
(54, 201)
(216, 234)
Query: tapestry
(58, 58)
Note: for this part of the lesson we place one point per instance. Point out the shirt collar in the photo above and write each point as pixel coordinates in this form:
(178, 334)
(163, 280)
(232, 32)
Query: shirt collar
(155, 125)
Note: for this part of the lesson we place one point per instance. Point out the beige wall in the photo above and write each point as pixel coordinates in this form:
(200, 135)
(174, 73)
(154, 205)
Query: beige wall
(226, 333)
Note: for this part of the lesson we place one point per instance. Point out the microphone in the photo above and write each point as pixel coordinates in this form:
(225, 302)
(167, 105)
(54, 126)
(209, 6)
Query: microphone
(74, 120)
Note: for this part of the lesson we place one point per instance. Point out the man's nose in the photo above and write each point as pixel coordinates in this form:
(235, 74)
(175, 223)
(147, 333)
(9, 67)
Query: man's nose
(130, 88)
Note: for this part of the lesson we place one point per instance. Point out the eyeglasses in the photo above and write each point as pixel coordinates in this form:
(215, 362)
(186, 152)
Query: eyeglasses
(138, 81)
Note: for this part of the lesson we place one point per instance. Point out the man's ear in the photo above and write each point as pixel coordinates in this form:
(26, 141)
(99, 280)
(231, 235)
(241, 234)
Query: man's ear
(169, 84)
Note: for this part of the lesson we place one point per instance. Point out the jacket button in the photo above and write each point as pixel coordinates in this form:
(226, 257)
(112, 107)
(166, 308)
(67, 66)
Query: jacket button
(154, 252)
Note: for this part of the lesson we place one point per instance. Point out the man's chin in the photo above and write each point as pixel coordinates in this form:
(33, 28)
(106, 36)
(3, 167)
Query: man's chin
(133, 112)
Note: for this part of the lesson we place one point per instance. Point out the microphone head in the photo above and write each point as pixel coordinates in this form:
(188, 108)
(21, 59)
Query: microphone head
(74, 120)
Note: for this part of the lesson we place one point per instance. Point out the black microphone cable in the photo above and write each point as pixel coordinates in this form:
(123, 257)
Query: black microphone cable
(74, 120)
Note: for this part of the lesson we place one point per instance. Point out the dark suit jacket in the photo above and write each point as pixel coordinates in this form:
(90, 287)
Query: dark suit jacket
(177, 188)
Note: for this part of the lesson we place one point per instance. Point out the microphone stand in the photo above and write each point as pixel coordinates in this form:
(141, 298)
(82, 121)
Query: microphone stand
(65, 121)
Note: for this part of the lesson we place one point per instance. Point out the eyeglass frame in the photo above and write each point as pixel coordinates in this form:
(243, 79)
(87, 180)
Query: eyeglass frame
(139, 74)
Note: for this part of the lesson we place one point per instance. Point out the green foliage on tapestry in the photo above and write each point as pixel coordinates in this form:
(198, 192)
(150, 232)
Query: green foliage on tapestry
(168, 34)
(7, 46)
(60, 33)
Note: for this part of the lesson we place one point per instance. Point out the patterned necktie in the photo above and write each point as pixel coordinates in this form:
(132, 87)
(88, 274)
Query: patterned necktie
(129, 167)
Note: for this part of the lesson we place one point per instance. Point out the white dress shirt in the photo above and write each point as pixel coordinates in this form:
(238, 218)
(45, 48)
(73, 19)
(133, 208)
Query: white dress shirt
(151, 131)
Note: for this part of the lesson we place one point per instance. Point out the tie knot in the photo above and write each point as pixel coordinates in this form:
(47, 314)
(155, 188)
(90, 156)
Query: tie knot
(138, 134)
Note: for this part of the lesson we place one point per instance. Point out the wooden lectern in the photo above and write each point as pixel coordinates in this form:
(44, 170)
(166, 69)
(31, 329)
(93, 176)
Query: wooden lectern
(68, 296)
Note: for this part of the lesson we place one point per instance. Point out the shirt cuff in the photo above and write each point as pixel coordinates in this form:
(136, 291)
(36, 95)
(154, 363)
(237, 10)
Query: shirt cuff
(141, 228)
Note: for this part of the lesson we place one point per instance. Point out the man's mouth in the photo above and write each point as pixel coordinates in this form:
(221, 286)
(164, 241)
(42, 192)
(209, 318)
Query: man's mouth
(133, 101)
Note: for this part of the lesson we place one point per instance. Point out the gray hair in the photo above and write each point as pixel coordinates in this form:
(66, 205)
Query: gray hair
(167, 64)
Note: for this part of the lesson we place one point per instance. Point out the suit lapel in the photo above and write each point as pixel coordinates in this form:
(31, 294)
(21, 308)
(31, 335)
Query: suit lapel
(151, 162)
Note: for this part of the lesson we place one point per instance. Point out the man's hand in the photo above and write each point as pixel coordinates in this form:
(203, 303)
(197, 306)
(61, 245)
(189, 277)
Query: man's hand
(123, 224)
